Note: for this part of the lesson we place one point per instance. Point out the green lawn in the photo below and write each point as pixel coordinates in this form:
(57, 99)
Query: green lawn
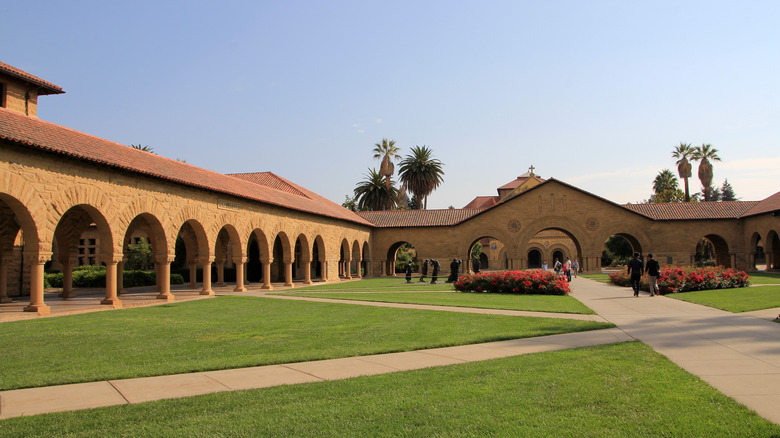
(738, 300)
(232, 332)
(534, 303)
(619, 390)
(764, 277)
(384, 284)
(601, 278)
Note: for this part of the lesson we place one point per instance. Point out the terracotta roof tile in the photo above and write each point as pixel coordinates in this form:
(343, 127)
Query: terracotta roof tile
(34, 133)
(418, 218)
(481, 202)
(46, 87)
(271, 180)
(769, 204)
(693, 210)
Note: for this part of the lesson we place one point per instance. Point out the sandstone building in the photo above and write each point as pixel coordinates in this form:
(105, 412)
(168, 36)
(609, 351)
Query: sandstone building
(58, 185)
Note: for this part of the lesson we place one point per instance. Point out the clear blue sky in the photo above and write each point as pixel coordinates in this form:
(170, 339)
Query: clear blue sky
(593, 93)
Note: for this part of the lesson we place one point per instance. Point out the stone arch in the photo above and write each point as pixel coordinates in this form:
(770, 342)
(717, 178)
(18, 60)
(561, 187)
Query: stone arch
(720, 250)
(95, 202)
(18, 225)
(756, 251)
(392, 250)
(282, 259)
(584, 248)
(257, 254)
(495, 253)
(535, 257)
(319, 259)
(772, 251)
(153, 211)
(365, 259)
(302, 258)
(228, 253)
(25, 205)
(356, 259)
(345, 257)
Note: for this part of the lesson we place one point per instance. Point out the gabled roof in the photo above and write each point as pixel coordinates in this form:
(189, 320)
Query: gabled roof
(694, 210)
(482, 202)
(32, 133)
(418, 218)
(44, 86)
(271, 180)
(520, 180)
(769, 204)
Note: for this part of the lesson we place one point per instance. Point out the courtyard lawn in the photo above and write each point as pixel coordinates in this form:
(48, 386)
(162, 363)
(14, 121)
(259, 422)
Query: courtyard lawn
(384, 283)
(764, 277)
(232, 332)
(533, 303)
(738, 300)
(601, 278)
(618, 390)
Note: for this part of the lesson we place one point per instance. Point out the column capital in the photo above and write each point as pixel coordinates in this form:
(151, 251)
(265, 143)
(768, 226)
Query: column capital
(204, 260)
(167, 259)
(240, 260)
(38, 257)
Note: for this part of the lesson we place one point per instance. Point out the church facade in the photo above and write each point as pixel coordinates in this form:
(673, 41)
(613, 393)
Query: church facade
(58, 185)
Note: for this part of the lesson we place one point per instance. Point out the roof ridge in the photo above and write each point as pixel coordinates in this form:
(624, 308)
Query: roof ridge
(23, 75)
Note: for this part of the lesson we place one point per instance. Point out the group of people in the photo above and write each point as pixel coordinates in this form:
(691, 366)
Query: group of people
(454, 270)
(565, 270)
(637, 268)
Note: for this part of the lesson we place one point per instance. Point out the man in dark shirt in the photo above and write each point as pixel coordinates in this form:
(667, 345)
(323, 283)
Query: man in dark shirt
(635, 269)
(653, 272)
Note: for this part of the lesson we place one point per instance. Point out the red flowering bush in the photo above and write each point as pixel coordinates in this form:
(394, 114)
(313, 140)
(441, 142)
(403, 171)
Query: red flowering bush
(676, 279)
(514, 282)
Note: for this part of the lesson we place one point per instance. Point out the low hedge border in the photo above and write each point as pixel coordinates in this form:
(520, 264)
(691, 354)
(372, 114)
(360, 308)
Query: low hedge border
(536, 282)
(675, 279)
(97, 278)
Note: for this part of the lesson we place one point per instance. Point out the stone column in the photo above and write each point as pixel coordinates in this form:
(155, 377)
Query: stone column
(120, 277)
(348, 269)
(220, 272)
(193, 275)
(164, 262)
(4, 262)
(67, 279)
(358, 266)
(206, 277)
(288, 280)
(239, 262)
(36, 261)
(111, 283)
(158, 276)
(382, 269)
(307, 273)
(267, 275)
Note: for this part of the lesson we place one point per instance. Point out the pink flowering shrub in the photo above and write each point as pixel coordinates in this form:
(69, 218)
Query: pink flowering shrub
(514, 282)
(676, 279)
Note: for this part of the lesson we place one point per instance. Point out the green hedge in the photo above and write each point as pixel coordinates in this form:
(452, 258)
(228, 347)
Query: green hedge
(95, 276)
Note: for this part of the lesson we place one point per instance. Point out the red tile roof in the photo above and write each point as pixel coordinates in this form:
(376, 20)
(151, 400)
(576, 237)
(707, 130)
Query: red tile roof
(418, 218)
(33, 133)
(693, 210)
(769, 204)
(482, 202)
(45, 87)
(271, 180)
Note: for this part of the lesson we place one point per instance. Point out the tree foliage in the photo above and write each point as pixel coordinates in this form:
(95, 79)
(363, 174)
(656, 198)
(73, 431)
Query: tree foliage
(703, 154)
(372, 194)
(682, 153)
(386, 151)
(142, 148)
(421, 173)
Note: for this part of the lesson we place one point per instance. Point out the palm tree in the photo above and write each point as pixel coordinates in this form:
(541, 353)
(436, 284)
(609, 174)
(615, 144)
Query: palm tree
(372, 193)
(421, 173)
(386, 151)
(665, 180)
(703, 154)
(682, 153)
(142, 148)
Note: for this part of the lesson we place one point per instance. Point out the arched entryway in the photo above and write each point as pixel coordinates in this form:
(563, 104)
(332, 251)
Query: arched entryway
(772, 251)
(192, 251)
(712, 250)
(398, 255)
(490, 252)
(534, 259)
(19, 245)
(619, 249)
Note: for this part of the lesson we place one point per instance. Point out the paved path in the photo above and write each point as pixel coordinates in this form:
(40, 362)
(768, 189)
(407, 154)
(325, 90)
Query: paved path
(738, 354)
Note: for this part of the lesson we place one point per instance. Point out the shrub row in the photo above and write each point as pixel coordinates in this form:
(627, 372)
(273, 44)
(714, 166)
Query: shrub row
(96, 277)
(676, 279)
(537, 282)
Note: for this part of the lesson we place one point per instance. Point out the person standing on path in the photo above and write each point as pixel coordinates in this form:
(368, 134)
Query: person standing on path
(424, 270)
(635, 269)
(653, 272)
(576, 267)
(567, 269)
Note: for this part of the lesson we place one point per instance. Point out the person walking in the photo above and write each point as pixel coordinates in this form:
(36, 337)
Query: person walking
(635, 269)
(567, 269)
(576, 267)
(653, 272)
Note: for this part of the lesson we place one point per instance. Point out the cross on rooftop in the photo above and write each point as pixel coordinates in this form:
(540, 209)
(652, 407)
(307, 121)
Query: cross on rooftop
(531, 169)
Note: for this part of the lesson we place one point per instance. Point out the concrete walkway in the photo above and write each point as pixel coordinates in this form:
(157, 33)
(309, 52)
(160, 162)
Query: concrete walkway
(737, 354)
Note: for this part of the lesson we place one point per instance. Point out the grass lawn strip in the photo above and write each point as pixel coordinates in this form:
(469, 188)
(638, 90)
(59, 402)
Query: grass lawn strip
(618, 390)
(234, 332)
(533, 303)
(764, 277)
(734, 300)
(383, 284)
(601, 278)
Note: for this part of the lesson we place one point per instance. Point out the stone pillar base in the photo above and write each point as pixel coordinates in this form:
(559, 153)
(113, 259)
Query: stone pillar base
(69, 294)
(307, 283)
(207, 292)
(239, 289)
(116, 303)
(167, 297)
(41, 309)
(6, 300)
(267, 287)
